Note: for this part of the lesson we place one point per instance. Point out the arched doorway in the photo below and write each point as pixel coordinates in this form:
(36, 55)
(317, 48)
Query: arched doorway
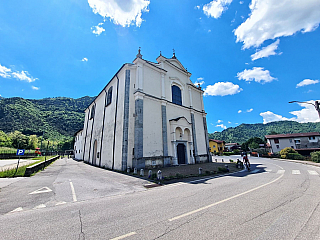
(94, 155)
(181, 152)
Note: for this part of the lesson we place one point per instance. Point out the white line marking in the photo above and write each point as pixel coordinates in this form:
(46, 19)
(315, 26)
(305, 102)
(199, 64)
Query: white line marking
(296, 172)
(19, 209)
(124, 236)
(224, 200)
(40, 206)
(41, 190)
(74, 197)
(60, 203)
(268, 170)
(312, 172)
(281, 171)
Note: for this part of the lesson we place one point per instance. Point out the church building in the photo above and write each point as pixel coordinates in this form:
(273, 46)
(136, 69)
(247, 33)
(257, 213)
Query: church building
(149, 115)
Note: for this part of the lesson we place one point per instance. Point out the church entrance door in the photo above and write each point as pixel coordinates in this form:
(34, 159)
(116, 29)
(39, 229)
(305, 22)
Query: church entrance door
(181, 150)
(94, 155)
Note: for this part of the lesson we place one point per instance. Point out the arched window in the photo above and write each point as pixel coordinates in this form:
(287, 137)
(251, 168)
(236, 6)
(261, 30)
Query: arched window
(93, 109)
(109, 97)
(176, 95)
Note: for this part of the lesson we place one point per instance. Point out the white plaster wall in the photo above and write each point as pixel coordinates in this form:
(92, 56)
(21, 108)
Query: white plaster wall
(152, 81)
(200, 135)
(78, 146)
(152, 128)
(197, 99)
(87, 133)
(119, 121)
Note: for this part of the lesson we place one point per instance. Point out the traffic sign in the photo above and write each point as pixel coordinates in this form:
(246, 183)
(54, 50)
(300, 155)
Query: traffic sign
(20, 152)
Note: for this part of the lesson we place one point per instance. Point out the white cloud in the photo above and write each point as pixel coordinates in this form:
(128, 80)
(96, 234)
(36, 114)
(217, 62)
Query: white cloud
(271, 117)
(197, 7)
(35, 88)
(229, 122)
(273, 19)
(266, 51)
(199, 81)
(216, 7)
(5, 72)
(306, 82)
(121, 12)
(222, 126)
(84, 60)
(240, 111)
(97, 29)
(250, 110)
(256, 74)
(23, 76)
(219, 121)
(307, 114)
(241, 2)
(222, 89)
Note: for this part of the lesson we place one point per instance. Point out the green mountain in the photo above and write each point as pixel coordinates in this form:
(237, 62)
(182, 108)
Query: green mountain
(58, 117)
(244, 132)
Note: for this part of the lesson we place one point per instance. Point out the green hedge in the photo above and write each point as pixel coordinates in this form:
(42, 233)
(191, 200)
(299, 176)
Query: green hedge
(315, 156)
(295, 156)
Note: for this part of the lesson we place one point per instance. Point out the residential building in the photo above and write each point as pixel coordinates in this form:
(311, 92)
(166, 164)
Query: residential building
(232, 146)
(304, 143)
(149, 114)
(216, 146)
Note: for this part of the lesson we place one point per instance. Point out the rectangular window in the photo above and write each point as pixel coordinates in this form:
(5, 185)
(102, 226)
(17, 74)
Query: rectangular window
(278, 146)
(312, 138)
(297, 141)
(276, 140)
(109, 96)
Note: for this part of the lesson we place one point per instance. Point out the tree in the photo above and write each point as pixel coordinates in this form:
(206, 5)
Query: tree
(19, 140)
(33, 142)
(5, 141)
(252, 143)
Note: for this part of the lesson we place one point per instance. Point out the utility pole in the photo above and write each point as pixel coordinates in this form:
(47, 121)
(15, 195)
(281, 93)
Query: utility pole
(315, 104)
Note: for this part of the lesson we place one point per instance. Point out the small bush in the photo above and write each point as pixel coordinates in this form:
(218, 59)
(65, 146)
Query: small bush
(294, 156)
(315, 156)
(223, 170)
(178, 175)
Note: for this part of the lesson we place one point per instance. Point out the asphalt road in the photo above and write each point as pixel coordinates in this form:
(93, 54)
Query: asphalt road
(276, 200)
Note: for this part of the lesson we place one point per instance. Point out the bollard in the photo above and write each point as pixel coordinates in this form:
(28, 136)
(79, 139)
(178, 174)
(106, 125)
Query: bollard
(200, 171)
(149, 173)
(222, 160)
(216, 160)
(227, 167)
(135, 171)
(159, 175)
(141, 172)
(128, 170)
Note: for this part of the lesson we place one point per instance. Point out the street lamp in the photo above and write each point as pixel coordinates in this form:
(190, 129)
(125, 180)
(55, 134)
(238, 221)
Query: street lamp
(315, 104)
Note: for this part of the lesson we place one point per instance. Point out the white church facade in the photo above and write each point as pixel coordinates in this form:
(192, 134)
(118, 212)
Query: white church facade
(148, 115)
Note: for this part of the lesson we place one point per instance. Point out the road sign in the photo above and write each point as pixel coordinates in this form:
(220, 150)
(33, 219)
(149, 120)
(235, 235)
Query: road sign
(20, 152)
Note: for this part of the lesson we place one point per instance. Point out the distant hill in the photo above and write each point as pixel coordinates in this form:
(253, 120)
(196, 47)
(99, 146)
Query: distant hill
(58, 116)
(244, 132)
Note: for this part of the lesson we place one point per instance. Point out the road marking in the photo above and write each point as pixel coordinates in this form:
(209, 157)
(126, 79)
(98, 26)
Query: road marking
(224, 200)
(124, 236)
(74, 197)
(19, 209)
(281, 171)
(40, 206)
(60, 203)
(268, 170)
(41, 190)
(296, 172)
(312, 172)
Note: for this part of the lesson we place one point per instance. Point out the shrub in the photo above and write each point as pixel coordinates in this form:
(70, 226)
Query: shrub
(294, 156)
(284, 152)
(315, 156)
(224, 170)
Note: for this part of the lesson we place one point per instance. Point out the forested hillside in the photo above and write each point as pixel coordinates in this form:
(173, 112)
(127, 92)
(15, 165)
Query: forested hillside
(57, 117)
(244, 132)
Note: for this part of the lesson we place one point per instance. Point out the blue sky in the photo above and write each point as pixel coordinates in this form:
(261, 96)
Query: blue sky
(251, 56)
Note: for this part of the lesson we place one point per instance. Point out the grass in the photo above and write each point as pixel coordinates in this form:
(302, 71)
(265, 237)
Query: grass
(12, 150)
(21, 170)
